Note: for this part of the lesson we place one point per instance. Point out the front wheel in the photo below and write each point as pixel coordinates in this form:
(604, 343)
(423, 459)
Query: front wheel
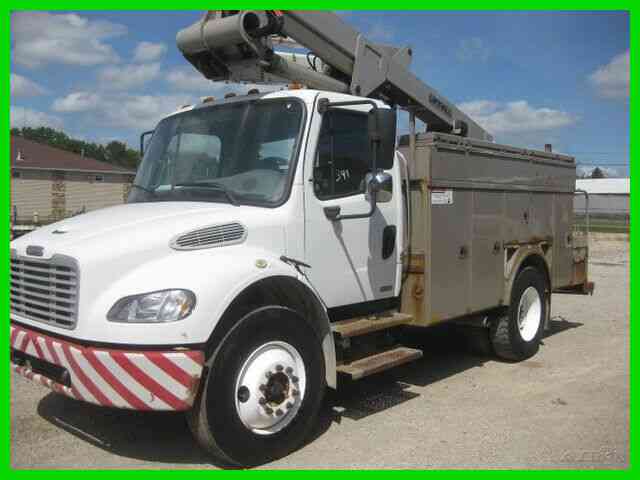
(263, 390)
(516, 334)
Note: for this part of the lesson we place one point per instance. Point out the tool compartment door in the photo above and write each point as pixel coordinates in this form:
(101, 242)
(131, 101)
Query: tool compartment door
(450, 253)
(487, 264)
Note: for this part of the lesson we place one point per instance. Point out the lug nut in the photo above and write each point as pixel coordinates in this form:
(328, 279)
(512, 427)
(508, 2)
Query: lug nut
(295, 393)
(243, 394)
(279, 368)
(262, 387)
(279, 412)
(268, 374)
(294, 379)
(289, 370)
(262, 401)
(289, 405)
(268, 410)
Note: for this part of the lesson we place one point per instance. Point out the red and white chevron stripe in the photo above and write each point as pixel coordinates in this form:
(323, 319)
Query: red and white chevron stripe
(138, 380)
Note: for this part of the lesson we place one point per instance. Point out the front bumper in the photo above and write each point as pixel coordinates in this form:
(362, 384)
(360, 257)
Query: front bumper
(131, 379)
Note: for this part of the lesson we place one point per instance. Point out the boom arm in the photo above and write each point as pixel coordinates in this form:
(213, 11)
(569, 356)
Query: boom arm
(238, 46)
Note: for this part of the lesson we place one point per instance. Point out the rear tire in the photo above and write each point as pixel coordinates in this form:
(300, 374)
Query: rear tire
(516, 334)
(263, 390)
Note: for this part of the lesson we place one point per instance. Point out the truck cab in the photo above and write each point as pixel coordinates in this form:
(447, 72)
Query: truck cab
(235, 207)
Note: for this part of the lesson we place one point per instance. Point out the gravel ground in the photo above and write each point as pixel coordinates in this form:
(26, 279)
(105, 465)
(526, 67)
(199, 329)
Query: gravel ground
(566, 407)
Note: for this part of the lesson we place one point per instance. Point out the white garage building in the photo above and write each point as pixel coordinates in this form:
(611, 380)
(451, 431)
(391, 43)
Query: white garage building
(609, 204)
(607, 196)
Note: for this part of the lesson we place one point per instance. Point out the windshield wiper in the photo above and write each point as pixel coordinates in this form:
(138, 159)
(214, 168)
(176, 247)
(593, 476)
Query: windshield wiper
(215, 186)
(144, 189)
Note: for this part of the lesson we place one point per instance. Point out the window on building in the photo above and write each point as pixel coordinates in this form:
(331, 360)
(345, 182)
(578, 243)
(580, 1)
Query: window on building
(98, 178)
(15, 174)
(342, 159)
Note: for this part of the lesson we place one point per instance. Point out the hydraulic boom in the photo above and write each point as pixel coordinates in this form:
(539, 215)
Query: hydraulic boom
(238, 45)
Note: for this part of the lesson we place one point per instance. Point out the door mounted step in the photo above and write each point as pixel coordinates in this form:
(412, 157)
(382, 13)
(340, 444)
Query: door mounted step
(379, 362)
(354, 327)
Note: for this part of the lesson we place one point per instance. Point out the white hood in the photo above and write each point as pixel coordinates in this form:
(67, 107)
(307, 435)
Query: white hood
(138, 228)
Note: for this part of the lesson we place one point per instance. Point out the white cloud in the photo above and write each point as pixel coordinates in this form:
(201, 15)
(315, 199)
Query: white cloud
(122, 110)
(41, 38)
(471, 49)
(380, 33)
(148, 51)
(612, 80)
(126, 77)
(23, 87)
(142, 112)
(27, 117)
(77, 102)
(515, 117)
(189, 79)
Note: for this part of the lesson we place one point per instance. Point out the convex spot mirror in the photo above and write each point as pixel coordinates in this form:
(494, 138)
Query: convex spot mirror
(379, 184)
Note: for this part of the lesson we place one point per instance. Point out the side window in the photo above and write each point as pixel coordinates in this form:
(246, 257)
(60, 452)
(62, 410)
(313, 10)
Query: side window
(343, 155)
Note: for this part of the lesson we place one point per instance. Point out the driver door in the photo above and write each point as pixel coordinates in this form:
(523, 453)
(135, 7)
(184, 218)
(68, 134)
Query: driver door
(348, 265)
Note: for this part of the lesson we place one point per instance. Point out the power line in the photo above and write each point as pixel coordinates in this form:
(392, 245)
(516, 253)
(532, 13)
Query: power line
(612, 152)
(602, 164)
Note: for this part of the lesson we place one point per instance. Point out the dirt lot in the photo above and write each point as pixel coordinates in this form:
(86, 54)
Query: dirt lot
(568, 406)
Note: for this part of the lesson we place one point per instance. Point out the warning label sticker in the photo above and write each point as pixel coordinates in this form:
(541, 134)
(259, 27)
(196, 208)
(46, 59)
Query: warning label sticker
(441, 197)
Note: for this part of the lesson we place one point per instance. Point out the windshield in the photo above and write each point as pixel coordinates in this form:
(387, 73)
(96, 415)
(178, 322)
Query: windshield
(240, 152)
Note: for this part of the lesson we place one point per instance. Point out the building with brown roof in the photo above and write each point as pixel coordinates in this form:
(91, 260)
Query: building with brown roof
(49, 184)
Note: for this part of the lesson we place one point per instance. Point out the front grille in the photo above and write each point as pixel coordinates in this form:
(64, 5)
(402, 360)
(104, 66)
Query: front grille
(45, 290)
(212, 236)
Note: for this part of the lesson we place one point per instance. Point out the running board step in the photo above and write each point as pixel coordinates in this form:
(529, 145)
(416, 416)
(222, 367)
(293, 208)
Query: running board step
(373, 323)
(379, 362)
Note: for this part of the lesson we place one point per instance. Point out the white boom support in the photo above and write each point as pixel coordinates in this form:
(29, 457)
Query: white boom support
(238, 46)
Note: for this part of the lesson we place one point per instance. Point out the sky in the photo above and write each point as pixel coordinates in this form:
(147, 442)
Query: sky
(528, 78)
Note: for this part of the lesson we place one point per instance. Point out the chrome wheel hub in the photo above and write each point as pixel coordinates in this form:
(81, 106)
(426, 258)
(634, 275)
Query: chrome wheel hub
(270, 387)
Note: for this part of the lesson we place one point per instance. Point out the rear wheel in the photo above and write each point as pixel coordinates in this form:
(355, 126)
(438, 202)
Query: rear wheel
(263, 390)
(516, 334)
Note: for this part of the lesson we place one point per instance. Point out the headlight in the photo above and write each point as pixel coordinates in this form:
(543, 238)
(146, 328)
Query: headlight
(154, 307)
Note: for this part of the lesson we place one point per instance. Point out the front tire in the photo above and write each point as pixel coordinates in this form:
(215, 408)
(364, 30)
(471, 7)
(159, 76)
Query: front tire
(263, 390)
(516, 334)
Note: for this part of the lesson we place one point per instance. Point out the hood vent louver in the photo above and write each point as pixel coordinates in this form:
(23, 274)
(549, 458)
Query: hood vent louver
(211, 236)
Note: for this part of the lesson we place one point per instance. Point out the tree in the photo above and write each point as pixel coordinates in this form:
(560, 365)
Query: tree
(116, 153)
(597, 173)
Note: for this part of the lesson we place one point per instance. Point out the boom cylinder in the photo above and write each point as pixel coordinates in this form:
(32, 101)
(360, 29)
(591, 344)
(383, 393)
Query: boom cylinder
(294, 72)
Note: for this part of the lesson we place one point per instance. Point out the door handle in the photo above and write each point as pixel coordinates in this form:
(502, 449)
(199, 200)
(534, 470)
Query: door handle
(388, 241)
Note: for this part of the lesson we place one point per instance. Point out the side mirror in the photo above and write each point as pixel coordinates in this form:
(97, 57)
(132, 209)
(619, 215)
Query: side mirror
(382, 135)
(379, 185)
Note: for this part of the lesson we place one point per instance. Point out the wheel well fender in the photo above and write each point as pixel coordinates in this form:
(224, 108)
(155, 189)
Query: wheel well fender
(532, 256)
(287, 291)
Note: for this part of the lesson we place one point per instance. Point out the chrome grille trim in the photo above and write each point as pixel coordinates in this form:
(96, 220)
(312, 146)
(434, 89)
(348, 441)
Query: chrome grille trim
(211, 236)
(45, 290)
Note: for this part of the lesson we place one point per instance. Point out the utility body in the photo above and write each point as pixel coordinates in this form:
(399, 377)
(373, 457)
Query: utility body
(273, 243)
